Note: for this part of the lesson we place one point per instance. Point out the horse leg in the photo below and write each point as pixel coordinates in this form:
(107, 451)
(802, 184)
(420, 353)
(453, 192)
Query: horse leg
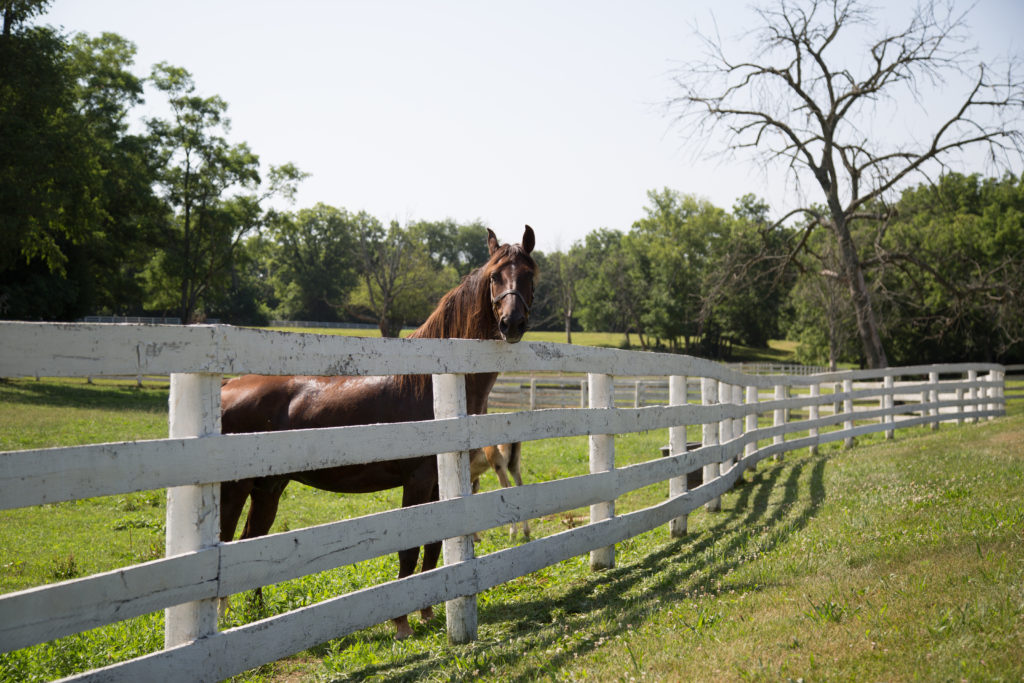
(515, 451)
(413, 493)
(266, 495)
(476, 489)
(431, 553)
(233, 495)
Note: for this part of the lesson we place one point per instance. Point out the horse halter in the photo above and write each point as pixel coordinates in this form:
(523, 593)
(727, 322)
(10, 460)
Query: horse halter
(495, 300)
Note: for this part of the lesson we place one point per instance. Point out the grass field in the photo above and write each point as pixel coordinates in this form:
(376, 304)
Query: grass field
(892, 561)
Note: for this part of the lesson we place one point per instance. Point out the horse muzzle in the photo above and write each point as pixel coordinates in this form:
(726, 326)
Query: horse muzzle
(512, 327)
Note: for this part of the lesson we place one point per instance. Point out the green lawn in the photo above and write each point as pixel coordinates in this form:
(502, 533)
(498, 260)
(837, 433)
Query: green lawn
(899, 560)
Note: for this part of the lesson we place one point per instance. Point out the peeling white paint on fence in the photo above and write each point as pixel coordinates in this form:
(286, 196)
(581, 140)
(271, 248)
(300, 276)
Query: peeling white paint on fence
(805, 411)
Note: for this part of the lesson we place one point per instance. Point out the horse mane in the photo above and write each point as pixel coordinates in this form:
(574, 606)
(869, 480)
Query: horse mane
(464, 312)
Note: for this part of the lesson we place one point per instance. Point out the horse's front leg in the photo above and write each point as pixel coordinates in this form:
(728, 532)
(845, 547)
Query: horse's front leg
(265, 496)
(406, 567)
(420, 488)
(431, 553)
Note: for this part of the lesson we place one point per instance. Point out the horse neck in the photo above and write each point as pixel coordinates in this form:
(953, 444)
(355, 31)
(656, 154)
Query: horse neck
(463, 313)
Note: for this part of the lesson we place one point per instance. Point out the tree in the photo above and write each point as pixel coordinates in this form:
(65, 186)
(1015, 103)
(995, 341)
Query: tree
(610, 297)
(952, 268)
(400, 282)
(742, 284)
(451, 244)
(673, 246)
(119, 243)
(76, 202)
(798, 103)
(49, 174)
(314, 262)
(555, 299)
(213, 189)
(821, 316)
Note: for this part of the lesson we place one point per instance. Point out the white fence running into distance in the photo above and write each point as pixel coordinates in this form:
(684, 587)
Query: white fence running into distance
(804, 412)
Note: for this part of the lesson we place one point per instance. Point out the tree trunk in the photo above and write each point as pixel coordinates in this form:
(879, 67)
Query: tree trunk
(867, 323)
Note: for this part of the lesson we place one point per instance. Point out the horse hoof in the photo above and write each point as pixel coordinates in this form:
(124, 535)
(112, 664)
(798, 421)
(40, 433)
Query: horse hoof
(402, 632)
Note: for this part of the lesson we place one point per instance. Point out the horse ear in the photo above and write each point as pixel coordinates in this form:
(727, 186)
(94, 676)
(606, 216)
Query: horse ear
(528, 240)
(492, 242)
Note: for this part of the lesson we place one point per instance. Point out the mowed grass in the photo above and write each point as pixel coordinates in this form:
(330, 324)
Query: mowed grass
(899, 560)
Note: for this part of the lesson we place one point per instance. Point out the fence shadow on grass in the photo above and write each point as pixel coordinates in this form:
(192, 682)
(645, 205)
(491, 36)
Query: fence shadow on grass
(126, 397)
(682, 569)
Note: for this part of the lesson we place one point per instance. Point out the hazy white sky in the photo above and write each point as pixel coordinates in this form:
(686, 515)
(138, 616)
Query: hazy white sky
(547, 113)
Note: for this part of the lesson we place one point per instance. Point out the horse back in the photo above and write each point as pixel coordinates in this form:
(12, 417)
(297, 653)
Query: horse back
(266, 403)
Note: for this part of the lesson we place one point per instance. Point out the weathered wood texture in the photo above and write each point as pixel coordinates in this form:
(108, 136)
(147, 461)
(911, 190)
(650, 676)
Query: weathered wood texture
(807, 411)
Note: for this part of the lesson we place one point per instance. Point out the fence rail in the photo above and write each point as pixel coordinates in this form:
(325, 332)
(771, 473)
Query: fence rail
(803, 412)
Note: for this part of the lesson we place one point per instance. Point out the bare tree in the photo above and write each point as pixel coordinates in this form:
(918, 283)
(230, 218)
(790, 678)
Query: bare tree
(796, 102)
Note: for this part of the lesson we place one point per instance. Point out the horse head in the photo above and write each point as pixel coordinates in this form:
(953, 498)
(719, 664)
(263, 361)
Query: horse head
(509, 273)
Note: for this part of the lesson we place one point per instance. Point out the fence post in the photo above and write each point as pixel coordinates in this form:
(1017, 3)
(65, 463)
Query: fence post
(999, 377)
(709, 437)
(888, 403)
(781, 393)
(815, 413)
(752, 400)
(193, 512)
(848, 411)
(737, 422)
(453, 482)
(725, 433)
(958, 394)
(602, 459)
(1001, 392)
(533, 393)
(677, 445)
(973, 394)
(583, 393)
(933, 397)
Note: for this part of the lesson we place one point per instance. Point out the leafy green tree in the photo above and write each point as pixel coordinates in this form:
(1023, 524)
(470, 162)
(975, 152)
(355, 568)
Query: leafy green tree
(49, 174)
(213, 189)
(744, 283)
(555, 298)
(952, 270)
(76, 202)
(610, 297)
(119, 244)
(462, 247)
(820, 316)
(672, 247)
(399, 281)
(315, 262)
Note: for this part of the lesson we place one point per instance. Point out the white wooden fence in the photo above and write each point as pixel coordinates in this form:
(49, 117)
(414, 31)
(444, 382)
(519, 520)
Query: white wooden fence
(805, 411)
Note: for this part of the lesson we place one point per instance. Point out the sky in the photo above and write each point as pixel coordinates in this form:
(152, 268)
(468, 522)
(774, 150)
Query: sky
(529, 112)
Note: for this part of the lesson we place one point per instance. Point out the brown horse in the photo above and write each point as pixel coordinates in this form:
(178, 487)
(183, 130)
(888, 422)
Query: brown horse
(492, 302)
